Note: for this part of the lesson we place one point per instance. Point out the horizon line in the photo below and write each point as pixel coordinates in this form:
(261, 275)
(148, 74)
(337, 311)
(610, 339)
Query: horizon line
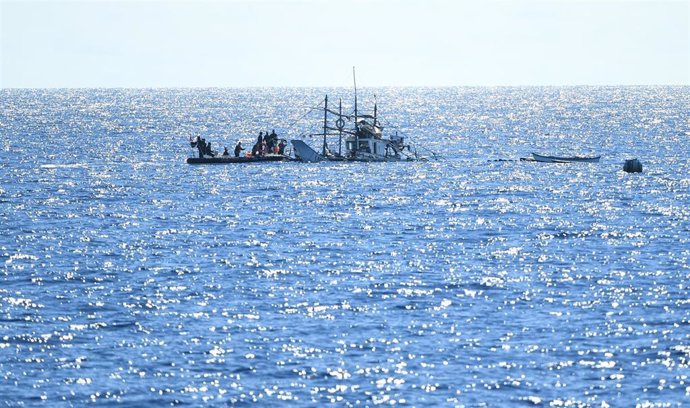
(344, 87)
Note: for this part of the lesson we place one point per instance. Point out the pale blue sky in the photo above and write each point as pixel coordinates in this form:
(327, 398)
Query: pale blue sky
(206, 43)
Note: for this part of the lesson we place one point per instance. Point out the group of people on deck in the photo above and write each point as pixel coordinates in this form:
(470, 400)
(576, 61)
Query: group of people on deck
(264, 145)
(203, 147)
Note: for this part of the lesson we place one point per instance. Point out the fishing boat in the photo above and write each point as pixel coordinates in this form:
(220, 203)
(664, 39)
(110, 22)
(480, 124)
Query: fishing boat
(557, 159)
(363, 139)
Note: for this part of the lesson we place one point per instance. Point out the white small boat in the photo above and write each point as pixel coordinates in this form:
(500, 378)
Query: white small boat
(558, 159)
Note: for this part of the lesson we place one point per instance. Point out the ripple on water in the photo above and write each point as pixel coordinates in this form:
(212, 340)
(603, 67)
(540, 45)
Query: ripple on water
(130, 277)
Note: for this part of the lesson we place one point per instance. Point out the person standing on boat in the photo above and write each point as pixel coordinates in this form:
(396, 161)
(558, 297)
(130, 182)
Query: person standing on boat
(271, 140)
(201, 145)
(274, 141)
(238, 149)
(256, 150)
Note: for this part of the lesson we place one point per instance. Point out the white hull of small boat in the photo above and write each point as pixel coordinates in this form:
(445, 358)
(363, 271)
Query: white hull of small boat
(557, 159)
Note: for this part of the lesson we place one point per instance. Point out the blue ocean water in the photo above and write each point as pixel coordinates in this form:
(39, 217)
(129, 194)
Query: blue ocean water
(130, 278)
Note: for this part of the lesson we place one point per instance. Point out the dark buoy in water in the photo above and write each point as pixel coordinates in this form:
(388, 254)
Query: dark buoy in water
(632, 166)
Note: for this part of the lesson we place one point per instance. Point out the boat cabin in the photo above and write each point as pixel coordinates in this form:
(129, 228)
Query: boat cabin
(367, 144)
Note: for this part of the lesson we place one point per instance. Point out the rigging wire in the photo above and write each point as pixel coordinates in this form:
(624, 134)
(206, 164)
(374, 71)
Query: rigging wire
(348, 115)
(302, 116)
(435, 155)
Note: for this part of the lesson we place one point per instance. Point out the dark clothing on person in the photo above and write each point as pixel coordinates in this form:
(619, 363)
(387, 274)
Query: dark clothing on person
(225, 152)
(238, 149)
(271, 141)
(201, 146)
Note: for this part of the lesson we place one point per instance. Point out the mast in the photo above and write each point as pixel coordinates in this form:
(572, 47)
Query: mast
(340, 129)
(354, 79)
(325, 124)
(375, 111)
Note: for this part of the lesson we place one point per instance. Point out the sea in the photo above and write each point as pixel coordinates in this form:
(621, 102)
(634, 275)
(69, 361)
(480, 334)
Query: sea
(129, 278)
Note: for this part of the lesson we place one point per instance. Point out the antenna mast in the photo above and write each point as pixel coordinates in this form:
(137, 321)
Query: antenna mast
(340, 128)
(354, 79)
(325, 124)
(375, 110)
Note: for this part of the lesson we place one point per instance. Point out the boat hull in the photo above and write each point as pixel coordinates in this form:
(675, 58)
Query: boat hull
(369, 158)
(556, 159)
(235, 160)
(305, 153)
